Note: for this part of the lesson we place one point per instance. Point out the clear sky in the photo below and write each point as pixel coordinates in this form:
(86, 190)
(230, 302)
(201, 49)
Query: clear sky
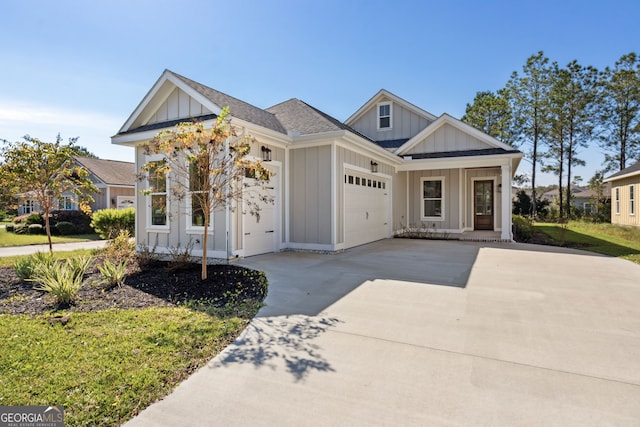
(79, 68)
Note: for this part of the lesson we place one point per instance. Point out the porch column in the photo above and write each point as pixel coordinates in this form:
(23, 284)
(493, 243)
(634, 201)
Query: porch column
(506, 202)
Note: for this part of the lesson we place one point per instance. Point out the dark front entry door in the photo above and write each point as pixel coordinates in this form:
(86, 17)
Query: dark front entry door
(483, 200)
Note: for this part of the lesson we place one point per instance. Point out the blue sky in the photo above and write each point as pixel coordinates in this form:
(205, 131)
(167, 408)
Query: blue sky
(81, 67)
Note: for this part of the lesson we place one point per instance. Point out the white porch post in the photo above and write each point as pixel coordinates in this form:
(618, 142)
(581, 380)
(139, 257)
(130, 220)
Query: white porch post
(506, 201)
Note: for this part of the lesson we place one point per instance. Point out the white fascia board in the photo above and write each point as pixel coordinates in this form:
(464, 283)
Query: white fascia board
(447, 119)
(133, 139)
(626, 175)
(396, 99)
(274, 138)
(496, 160)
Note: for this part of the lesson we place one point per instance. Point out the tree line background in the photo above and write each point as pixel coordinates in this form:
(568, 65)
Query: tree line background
(553, 113)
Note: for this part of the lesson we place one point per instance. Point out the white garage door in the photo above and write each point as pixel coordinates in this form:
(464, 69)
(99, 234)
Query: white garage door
(259, 230)
(367, 208)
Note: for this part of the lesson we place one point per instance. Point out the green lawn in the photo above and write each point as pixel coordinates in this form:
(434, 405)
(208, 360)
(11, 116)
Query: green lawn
(104, 367)
(9, 260)
(12, 239)
(607, 239)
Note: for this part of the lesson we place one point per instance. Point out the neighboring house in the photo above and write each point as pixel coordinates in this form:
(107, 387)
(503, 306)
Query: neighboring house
(624, 195)
(114, 179)
(582, 198)
(337, 185)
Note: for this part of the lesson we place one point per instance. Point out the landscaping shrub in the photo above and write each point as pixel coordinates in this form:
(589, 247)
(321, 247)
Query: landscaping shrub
(35, 229)
(80, 219)
(63, 280)
(113, 274)
(120, 249)
(80, 265)
(10, 228)
(109, 222)
(65, 228)
(21, 229)
(25, 267)
(522, 228)
(28, 219)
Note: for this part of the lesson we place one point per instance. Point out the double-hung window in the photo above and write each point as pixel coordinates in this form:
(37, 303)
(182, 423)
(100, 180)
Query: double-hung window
(384, 116)
(158, 194)
(199, 194)
(432, 198)
(617, 201)
(66, 203)
(632, 200)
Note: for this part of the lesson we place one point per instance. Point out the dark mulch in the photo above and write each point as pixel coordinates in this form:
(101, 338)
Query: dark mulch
(151, 286)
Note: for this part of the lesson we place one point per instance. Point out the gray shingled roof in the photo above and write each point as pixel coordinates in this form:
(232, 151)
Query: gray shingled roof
(111, 172)
(626, 171)
(298, 117)
(237, 108)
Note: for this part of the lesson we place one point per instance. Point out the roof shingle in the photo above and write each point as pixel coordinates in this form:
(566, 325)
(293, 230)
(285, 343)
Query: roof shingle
(111, 172)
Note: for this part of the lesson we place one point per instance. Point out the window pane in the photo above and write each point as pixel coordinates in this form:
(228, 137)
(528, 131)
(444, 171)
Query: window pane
(157, 179)
(197, 211)
(385, 122)
(432, 207)
(159, 210)
(432, 189)
(385, 110)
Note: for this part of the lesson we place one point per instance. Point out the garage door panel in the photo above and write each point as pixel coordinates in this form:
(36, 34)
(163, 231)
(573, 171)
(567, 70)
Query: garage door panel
(367, 210)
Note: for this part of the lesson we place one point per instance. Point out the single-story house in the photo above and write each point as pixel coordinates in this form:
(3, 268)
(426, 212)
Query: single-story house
(389, 166)
(582, 198)
(114, 179)
(624, 188)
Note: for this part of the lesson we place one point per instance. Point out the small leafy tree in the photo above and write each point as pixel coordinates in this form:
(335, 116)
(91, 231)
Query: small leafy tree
(45, 170)
(206, 166)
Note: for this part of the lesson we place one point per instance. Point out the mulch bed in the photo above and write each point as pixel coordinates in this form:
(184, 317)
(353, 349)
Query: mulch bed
(151, 286)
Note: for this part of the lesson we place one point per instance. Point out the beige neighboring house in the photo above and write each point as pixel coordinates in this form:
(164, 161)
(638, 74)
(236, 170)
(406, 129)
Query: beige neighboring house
(114, 179)
(336, 184)
(624, 195)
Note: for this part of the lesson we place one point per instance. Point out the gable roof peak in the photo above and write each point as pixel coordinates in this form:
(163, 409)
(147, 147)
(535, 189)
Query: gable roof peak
(384, 93)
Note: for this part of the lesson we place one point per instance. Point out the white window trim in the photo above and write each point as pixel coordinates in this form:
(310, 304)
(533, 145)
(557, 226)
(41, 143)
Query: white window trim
(150, 227)
(380, 104)
(62, 200)
(421, 198)
(632, 200)
(617, 201)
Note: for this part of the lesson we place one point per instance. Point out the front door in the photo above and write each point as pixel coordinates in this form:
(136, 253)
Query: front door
(483, 200)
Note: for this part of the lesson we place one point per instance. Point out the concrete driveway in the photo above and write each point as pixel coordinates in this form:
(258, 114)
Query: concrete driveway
(429, 333)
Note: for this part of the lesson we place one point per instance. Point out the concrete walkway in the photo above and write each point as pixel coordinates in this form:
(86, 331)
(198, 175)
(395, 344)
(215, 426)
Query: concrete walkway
(57, 247)
(427, 333)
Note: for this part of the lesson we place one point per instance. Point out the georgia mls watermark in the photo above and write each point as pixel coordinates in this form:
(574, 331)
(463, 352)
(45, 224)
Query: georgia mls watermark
(31, 416)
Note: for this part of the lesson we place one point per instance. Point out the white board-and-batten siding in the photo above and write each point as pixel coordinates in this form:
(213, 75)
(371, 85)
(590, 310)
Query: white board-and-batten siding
(179, 105)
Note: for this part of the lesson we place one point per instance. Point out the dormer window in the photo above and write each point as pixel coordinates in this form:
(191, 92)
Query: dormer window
(384, 116)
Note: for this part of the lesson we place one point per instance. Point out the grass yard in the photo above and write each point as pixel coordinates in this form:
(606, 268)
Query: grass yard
(105, 366)
(12, 239)
(607, 239)
(8, 261)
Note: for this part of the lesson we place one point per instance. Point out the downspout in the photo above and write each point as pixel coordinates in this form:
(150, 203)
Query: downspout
(227, 208)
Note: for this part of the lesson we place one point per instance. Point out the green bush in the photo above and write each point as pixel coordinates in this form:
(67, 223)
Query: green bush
(21, 229)
(25, 267)
(10, 228)
(63, 280)
(113, 274)
(78, 218)
(65, 228)
(109, 222)
(34, 219)
(35, 229)
(522, 228)
(121, 248)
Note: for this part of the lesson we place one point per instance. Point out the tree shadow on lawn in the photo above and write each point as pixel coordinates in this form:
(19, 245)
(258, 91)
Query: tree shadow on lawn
(562, 237)
(271, 342)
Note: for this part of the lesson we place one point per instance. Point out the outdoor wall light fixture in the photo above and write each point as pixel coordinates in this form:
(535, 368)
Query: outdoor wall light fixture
(266, 153)
(374, 167)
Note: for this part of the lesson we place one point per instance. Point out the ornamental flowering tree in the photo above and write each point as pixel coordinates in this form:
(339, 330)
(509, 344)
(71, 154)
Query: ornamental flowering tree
(45, 171)
(206, 167)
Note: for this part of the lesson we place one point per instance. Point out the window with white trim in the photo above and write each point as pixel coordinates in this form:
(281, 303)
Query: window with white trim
(632, 200)
(158, 194)
(617, 200)
(66, 203)
(198, 197)
(432, 198)
(384, 116)
(28, 206)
